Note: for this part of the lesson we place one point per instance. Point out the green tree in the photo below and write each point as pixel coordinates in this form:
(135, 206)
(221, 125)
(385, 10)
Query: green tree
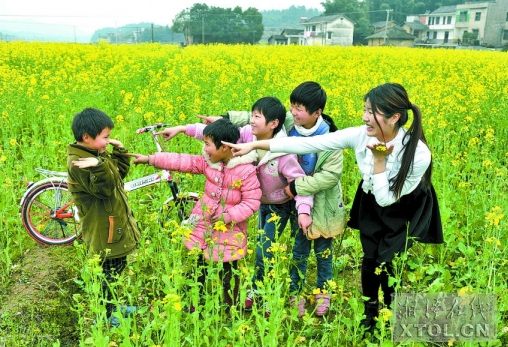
(204, 24)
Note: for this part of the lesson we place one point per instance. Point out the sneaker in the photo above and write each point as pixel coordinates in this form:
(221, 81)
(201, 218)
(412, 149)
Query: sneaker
(126, 311)
(300, 304)
(323, 304)
(249, 300)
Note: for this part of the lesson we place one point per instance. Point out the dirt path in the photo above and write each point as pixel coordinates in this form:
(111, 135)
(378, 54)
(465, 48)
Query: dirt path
(35, 307)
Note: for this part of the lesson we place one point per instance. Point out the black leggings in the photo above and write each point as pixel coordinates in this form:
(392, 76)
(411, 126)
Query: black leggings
(371, 281)
(111, 268)
(227, 275)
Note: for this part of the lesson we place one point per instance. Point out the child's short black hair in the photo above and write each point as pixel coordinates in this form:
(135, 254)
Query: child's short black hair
(310, 95)
(272, 109)
(222, 130)
(91, 121)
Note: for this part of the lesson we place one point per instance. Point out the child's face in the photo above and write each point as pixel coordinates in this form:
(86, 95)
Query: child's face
(302, 117)
(100, 142)
(214, 154)
(260, 128)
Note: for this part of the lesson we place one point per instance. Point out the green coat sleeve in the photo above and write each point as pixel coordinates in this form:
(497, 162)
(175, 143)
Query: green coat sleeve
(327, 175)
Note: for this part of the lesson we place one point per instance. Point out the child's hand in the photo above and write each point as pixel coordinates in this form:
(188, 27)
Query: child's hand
(287, 190)
(169, 133)
(83, 163)
(139, 158)
(115, 143)
(209, 119)
(304, 222)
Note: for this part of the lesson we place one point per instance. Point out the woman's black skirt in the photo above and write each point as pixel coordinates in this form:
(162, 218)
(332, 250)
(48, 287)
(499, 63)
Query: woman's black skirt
(385, 231)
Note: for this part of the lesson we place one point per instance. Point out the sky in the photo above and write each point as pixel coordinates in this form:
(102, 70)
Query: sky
(85, 16)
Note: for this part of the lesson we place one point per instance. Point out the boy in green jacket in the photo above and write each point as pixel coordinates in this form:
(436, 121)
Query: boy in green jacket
(95, 179)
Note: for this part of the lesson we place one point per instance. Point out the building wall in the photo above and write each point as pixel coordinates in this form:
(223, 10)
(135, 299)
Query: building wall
(391, 42)
(336, 33)
(492, 21)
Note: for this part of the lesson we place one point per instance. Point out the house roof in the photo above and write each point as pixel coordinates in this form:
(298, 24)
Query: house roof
(278, 37)
(445, 9)
(395, 33)
(292, 32)
(325, 19)
(381, 24)
(416, 25)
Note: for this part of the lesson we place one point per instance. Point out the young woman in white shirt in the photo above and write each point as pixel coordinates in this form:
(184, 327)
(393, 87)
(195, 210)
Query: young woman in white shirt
(395, 203)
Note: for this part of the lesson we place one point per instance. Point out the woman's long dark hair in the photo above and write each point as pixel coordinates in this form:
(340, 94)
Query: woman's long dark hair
(389, 99)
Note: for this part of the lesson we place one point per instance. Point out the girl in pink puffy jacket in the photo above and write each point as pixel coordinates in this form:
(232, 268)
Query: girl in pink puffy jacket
(231, 196)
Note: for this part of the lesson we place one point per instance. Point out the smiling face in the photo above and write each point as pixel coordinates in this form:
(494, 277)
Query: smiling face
(100, 142)
(302, 117)
(214, 154)
(260, 128)
(378, 125)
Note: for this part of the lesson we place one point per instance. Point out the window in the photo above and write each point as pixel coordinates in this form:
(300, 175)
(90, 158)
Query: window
(449, 20)
(428, 20)
(437, 20)
(476, 32)
(477, 16)
(462, 17)
(416, 33)
(507, 16)
(313, 28)
(435, 35)
(329, 35)
(505, 35)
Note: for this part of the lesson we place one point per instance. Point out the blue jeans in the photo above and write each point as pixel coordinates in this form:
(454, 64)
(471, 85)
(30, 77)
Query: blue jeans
(301, 251)
(286, 212)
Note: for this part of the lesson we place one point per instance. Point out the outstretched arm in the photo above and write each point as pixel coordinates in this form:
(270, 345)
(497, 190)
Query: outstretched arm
(169, 133)
(239, 149)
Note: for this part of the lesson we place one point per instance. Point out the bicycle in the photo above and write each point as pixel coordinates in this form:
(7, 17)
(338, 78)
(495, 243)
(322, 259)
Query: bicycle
(51, 218)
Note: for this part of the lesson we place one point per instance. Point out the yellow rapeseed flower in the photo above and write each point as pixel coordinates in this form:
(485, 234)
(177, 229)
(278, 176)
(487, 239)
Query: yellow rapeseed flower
(220, 226)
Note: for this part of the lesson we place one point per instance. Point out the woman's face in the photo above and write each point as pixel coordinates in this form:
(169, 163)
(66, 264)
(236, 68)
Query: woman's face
(380, 129)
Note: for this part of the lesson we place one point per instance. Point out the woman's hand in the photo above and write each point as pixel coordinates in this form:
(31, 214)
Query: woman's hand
(244, 148)
(379, 150)
(239, 149)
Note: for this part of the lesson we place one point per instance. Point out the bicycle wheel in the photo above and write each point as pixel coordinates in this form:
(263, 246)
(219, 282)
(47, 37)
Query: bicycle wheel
(50, 216)
(177, 210)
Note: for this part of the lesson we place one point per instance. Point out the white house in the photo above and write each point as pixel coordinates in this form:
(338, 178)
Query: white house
(336, 30)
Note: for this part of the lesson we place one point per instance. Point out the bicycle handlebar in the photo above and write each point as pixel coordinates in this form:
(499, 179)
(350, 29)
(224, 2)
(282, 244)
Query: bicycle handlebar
(150, 128)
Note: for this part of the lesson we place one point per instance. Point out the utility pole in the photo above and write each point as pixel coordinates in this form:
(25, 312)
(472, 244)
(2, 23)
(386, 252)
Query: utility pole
(386, 26)
(152, 32)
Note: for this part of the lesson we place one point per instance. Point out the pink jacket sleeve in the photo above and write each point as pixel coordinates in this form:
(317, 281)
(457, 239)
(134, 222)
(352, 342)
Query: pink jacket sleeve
(291, 169)
(194, 164)
(251, 198)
